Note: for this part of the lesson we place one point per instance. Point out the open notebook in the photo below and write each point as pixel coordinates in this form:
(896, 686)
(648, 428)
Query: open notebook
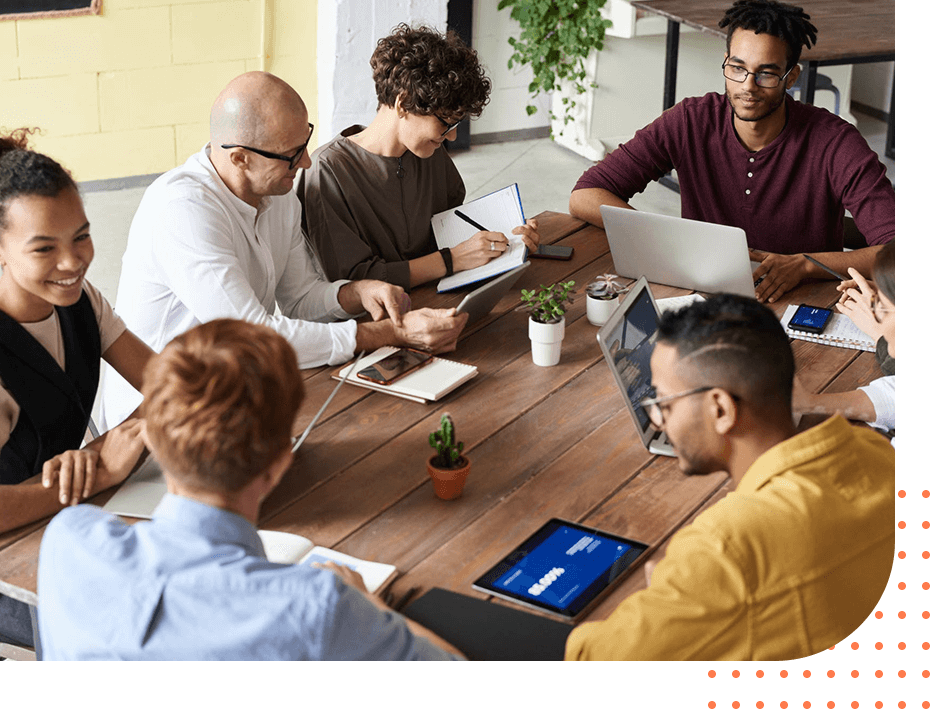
(840, 331)
(498, 211)
(429, 383)
(287, 548)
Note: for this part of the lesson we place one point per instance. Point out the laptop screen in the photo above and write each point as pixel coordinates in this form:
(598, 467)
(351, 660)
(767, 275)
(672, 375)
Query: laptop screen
(630, 345)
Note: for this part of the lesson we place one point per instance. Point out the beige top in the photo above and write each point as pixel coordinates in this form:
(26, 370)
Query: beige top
(48, 333)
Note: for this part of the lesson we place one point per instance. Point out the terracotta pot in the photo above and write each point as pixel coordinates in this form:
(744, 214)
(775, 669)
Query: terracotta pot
(448, 484)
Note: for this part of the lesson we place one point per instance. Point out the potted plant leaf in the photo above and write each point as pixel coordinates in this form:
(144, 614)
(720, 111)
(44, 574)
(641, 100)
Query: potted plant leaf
(448, 468)
(547, 323)
(556, 39)
(602, 296)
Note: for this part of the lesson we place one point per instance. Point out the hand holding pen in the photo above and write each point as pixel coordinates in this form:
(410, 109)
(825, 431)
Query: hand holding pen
(480, 248)
(492, 244)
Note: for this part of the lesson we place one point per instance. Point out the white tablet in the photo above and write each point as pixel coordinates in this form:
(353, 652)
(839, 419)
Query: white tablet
(481, 301)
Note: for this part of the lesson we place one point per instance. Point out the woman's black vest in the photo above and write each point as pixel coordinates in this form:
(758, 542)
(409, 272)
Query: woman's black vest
(55, 405)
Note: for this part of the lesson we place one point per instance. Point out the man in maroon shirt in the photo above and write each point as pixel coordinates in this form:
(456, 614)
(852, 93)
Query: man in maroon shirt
(783, 171)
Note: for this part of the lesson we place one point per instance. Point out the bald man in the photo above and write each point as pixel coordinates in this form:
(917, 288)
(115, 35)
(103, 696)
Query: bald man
(220, 237)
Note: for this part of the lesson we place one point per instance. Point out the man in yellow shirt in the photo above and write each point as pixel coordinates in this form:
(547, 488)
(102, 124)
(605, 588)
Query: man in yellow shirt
(794, 559)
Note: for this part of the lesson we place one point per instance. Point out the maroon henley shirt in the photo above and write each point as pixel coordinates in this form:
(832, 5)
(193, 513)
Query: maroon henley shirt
(789, 197)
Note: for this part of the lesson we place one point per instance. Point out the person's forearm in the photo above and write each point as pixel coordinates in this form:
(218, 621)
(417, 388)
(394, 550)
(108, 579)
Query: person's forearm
(27, 502)
(586, 204)
(841, 261)
(349, 298)
(418, 629)
(371, 335)
(426, 268)
(852, 404)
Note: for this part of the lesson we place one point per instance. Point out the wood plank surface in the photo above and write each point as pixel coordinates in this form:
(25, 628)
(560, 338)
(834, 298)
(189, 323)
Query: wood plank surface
(847, 30)
(544, 442)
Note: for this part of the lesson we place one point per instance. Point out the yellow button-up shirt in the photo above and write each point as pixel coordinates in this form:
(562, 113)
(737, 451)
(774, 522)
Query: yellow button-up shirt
(787, 565)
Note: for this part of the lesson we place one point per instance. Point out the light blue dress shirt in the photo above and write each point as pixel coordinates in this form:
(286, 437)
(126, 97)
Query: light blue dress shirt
(194, 584)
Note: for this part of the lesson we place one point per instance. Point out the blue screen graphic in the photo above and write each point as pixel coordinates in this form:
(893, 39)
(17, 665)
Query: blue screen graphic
(561, 567)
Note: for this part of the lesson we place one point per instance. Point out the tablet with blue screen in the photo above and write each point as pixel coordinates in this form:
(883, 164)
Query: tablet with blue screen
(563, 568)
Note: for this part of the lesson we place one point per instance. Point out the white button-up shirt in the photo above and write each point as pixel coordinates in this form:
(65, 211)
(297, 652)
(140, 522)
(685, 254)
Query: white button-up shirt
(196, 253)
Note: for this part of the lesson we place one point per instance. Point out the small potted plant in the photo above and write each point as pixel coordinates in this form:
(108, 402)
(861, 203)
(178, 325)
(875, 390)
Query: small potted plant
(448, 468)
(547, 324)
(603, 297)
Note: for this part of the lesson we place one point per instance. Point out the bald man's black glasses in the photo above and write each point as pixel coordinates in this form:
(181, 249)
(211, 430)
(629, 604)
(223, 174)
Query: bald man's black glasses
(291, 160)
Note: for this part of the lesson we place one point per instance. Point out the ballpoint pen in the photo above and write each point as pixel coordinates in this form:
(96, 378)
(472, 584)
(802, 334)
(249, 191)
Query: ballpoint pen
(826, 268)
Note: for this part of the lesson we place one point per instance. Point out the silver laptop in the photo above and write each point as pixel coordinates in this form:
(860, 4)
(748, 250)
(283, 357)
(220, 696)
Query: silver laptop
(711, 258)
(627, 339)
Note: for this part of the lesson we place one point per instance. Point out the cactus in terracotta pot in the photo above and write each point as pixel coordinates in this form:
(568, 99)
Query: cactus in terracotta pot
(448, 451)
(448, 468)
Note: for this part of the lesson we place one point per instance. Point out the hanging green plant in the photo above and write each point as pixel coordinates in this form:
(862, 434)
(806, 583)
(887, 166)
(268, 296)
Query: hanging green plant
(556, 37)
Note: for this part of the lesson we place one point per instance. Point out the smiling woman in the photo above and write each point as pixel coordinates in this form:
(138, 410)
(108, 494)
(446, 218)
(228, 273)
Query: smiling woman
(54, 329)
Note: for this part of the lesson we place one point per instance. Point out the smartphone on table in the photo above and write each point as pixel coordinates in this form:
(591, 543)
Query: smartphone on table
(810, 319)
(562, 253)
(395, 365)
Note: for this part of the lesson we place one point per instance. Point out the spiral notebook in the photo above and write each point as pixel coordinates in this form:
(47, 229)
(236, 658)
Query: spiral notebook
(428, 383)
(841, 331)
(498, 211)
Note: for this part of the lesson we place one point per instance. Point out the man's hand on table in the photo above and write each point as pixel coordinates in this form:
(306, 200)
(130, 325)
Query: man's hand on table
(431, 329)
(424, 329)
(99, 465)
(782, 273)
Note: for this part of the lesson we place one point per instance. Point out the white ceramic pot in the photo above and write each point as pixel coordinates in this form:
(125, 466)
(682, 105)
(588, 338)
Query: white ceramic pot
(600, 310)
(547, 342)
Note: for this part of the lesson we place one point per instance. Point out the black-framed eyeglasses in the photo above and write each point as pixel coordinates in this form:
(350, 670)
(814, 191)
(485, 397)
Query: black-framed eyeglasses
(763, 79)
(653, 405)
(449, 127)
(291, 160)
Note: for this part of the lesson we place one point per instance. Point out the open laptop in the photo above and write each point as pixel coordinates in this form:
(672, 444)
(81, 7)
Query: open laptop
(627, 340)
(711, 258)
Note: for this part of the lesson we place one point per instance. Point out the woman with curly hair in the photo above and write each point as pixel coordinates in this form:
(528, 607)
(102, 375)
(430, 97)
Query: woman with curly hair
(370, 193)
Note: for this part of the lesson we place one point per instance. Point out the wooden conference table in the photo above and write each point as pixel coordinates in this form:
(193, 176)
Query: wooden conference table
(544, 442)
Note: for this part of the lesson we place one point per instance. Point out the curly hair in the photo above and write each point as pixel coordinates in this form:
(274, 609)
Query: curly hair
(220, 402)
(787, 22)
(432, 73)
(24, 172)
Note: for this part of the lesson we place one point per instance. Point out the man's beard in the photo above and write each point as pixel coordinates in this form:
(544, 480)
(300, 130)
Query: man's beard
(772, 108)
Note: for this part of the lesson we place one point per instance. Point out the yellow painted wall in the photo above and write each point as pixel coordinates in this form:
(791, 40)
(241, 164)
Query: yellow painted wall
(128, 92)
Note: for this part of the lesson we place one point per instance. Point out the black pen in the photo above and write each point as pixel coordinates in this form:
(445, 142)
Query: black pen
(826, 268)
(471, 221)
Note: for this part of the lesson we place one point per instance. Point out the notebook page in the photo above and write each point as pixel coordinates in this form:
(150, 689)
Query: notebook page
(498, 211)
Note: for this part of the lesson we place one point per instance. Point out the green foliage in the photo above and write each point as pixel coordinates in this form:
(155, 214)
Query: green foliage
(546, 306)
(556, 37)
(448, 451)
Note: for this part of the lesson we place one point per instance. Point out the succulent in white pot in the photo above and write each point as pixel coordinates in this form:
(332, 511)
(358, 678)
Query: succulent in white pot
(547, 321)
(602, 296)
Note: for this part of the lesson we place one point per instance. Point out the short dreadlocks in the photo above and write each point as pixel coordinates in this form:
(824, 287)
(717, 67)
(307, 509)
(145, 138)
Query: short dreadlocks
(787, 22)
